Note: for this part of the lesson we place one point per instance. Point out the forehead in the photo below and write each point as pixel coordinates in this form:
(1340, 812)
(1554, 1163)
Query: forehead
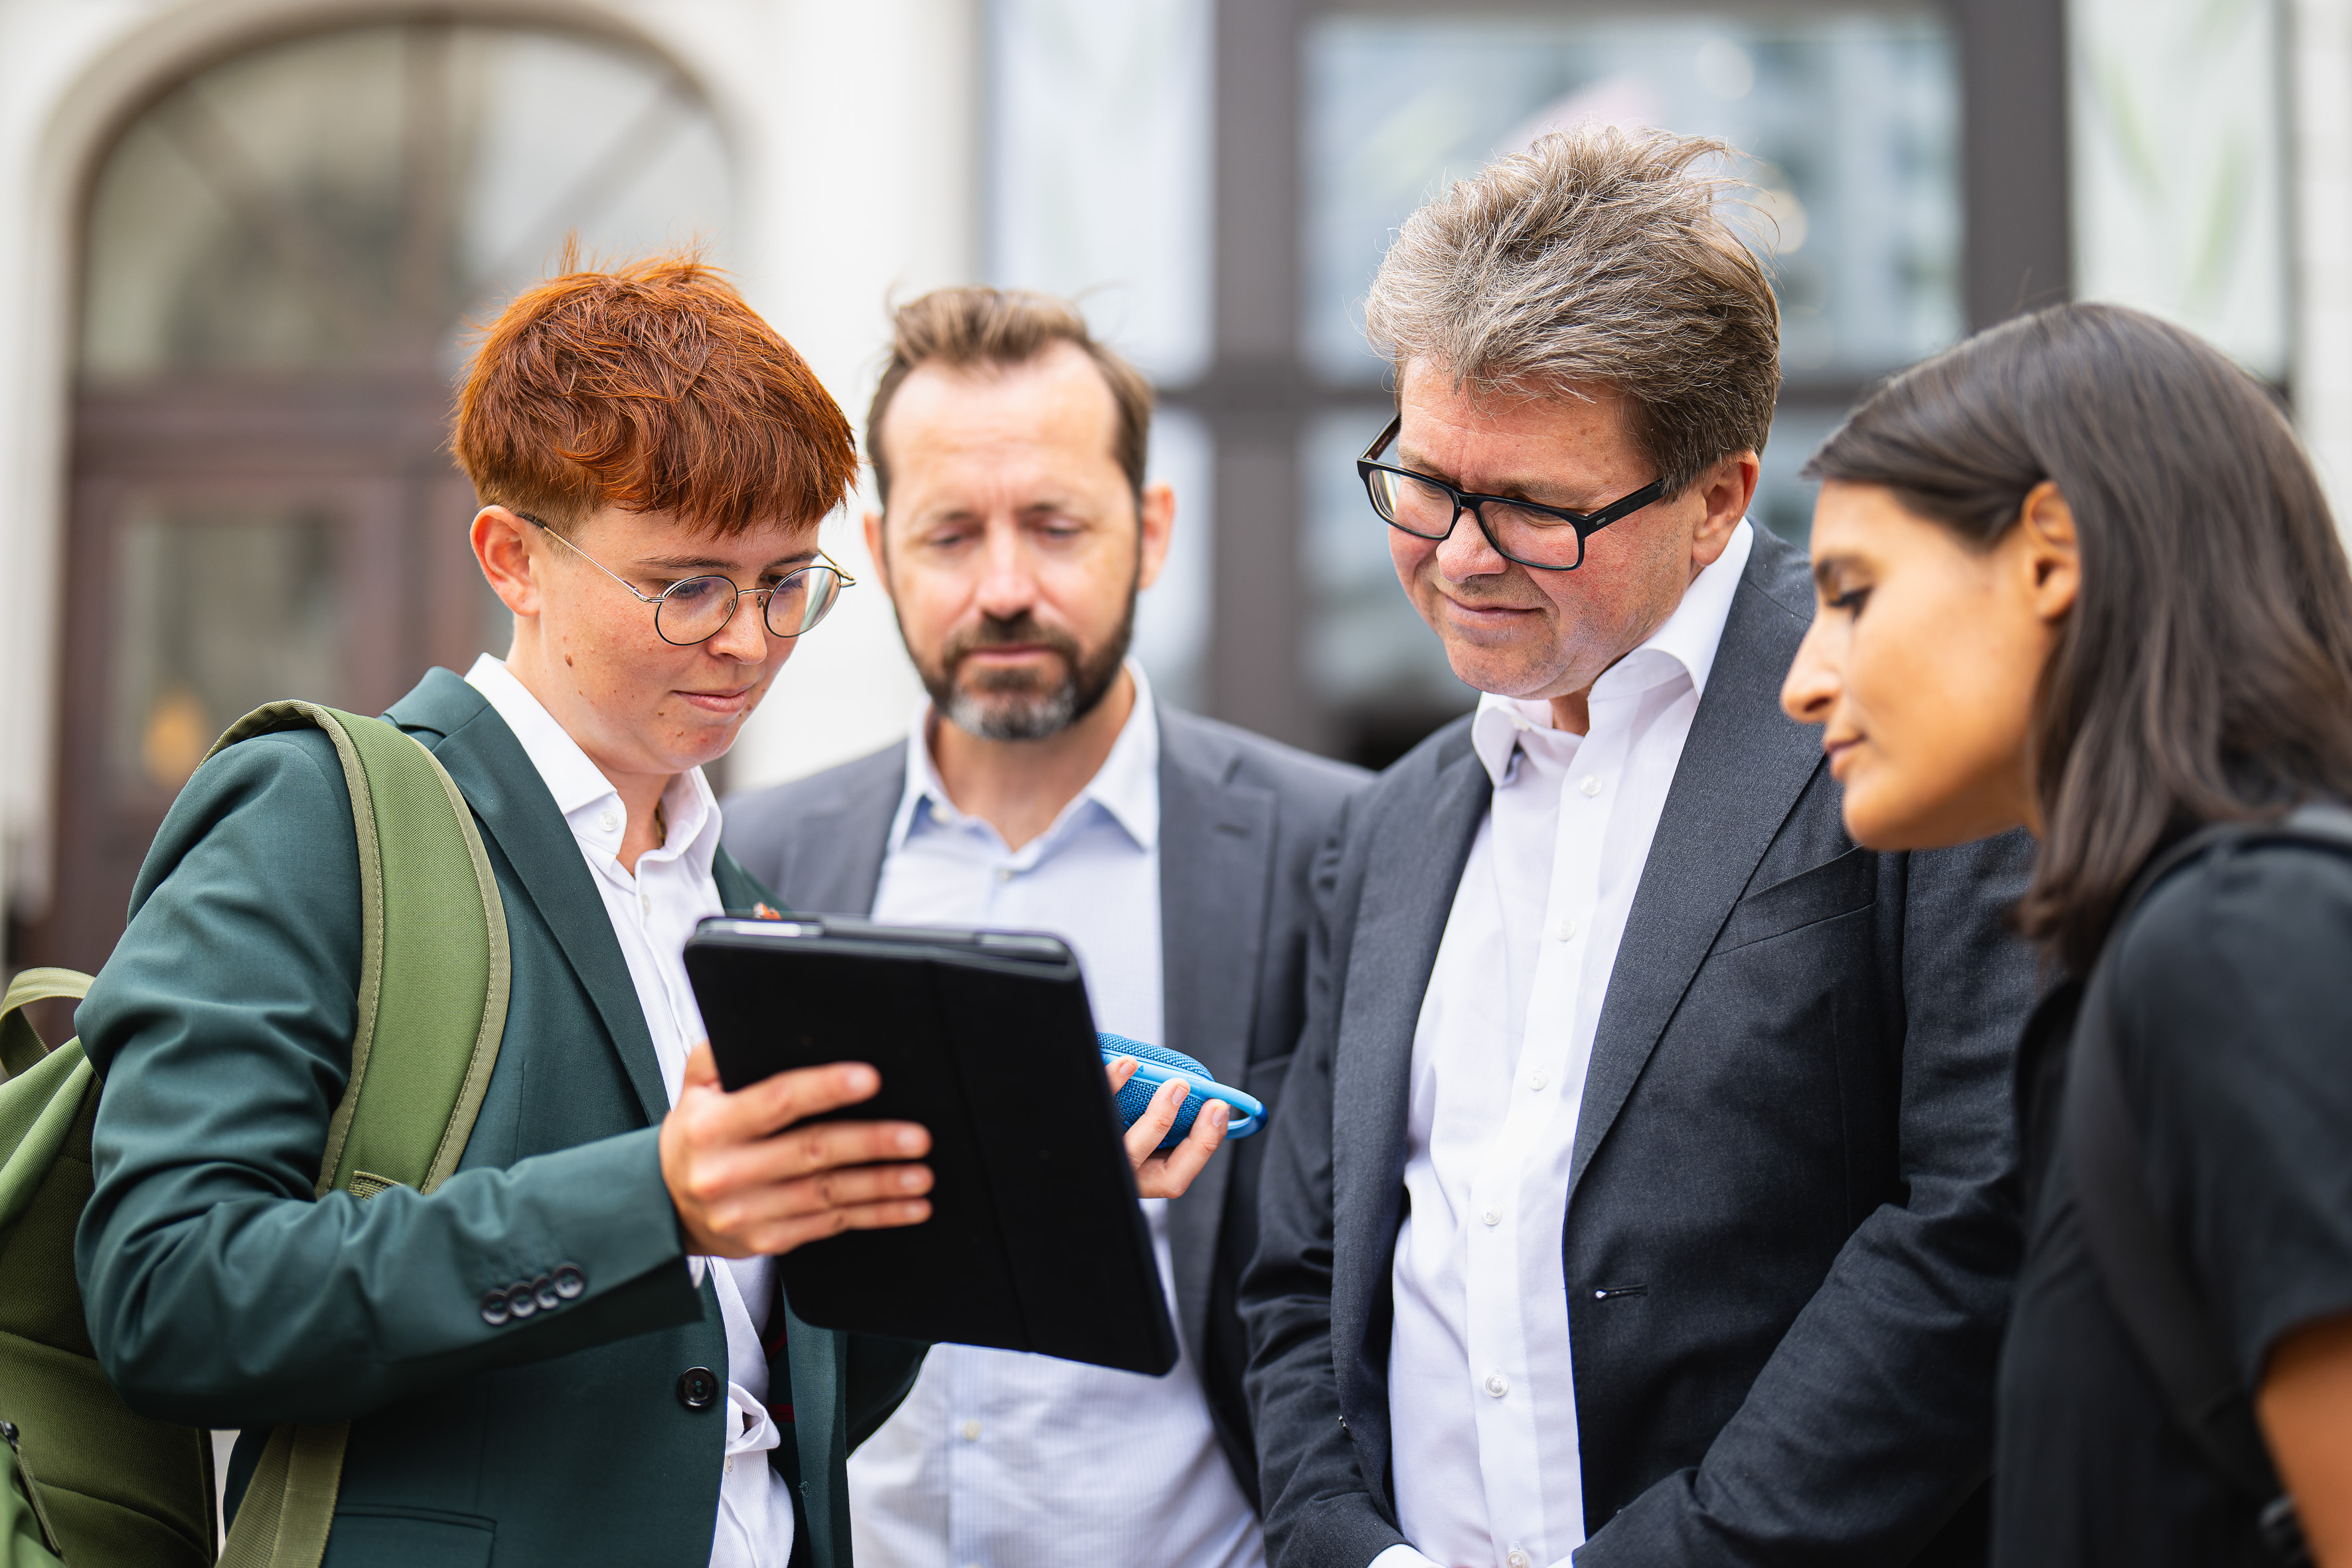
(654, 534)
(1053, 416)
(1478, 437)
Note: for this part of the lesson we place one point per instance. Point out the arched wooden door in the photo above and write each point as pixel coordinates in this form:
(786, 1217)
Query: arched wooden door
(281, 253)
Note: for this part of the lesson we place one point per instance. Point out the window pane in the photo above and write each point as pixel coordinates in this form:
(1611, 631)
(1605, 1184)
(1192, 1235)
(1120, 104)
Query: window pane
(218, 610)
(2179, 167)
(343, 200)
(1100, 137)
(1852, 116)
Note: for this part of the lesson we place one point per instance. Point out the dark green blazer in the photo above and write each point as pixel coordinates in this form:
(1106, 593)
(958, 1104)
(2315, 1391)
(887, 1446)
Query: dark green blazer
(220, 1294)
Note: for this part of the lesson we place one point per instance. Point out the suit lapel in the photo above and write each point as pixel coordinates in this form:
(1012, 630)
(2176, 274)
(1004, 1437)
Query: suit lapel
(515, 809)
(1407, 896)
(1217, 852)
(1742, 768)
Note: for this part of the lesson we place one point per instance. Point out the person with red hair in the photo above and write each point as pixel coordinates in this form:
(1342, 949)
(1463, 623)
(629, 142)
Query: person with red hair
(575, 1350)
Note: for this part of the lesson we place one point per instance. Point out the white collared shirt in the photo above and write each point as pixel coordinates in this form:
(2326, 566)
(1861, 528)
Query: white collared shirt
(1482, 1394)
(653, 913)
(1004, 1461)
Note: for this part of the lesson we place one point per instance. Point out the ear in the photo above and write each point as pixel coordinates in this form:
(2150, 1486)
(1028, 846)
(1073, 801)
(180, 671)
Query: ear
(1725, 488)
(1157, 528)
(2053, 554)
(874, 552)
(502, 545)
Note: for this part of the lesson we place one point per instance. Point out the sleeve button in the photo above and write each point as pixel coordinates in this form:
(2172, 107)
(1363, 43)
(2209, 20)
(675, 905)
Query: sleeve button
(542, 1290)
(521, 1301)
(697, 1388)
(494, 1308)
(570, 1284)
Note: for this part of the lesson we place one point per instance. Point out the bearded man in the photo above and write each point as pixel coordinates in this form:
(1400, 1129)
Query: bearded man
(1041, 787)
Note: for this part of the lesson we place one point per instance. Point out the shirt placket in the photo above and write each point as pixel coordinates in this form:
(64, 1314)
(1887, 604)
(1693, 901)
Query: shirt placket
(1517, 1287)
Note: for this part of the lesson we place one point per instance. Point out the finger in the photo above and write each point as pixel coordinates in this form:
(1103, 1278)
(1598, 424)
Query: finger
(818, 1147)
(701, 1067)
(743, 1215)
(773, 1240)
(1191, 1157)
(785, 1099)
(811, 1196)
(1122, 1069)
(1143, 1138)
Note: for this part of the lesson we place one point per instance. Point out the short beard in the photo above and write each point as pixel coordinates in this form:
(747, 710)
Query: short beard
(1015, 705)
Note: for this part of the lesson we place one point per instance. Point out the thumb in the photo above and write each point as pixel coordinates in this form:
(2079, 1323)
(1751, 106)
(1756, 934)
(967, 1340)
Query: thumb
(701, 1067)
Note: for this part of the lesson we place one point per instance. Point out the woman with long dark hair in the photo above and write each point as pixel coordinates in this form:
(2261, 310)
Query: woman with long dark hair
(2077, 574)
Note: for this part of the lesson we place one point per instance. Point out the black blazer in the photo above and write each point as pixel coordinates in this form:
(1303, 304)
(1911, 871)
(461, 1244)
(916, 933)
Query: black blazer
(1789, 1177)
(1240, 821)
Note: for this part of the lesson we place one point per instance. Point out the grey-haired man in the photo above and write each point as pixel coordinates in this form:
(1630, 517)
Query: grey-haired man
(1637, 1192)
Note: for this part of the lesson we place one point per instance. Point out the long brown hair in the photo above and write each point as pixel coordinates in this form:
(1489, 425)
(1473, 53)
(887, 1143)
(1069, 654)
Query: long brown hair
(2205, 672)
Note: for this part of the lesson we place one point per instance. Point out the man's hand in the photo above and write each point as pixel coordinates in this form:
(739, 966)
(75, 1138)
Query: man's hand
(744, 1187)
(1159, 1175)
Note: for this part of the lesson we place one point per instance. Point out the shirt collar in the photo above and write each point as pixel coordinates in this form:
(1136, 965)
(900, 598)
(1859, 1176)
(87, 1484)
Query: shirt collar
(1684, 645)
(1127, 786)
(583, 794)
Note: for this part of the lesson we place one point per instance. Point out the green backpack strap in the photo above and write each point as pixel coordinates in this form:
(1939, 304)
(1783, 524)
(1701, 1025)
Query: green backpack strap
(434, 976)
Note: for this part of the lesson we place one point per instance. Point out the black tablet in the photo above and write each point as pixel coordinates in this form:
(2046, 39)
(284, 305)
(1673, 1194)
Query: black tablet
(1034, 1241)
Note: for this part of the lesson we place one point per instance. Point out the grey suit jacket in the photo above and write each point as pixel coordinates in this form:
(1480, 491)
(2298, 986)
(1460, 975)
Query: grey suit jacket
(1240, 819)
(1790, 1233)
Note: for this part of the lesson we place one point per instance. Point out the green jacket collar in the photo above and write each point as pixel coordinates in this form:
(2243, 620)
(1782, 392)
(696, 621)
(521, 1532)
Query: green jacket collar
(459, 725)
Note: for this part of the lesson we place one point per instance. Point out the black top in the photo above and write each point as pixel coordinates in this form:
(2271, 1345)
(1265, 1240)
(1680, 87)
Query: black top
(2233, 1030)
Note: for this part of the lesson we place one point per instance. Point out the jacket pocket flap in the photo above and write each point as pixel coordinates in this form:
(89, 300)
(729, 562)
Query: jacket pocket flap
(1834, 887)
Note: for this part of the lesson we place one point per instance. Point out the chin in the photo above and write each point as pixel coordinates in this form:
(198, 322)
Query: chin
(1884, 820)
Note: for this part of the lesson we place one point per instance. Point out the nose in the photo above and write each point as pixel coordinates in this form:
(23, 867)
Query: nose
(1813, 683)
(1466, 553)
(1007, 584)
(744, 638)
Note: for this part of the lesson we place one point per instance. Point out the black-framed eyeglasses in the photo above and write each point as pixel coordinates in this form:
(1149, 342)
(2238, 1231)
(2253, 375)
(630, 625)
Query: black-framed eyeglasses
(1549, 537)
(697, 609)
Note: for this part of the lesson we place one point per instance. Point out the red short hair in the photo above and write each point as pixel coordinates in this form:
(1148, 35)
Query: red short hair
(652, 387)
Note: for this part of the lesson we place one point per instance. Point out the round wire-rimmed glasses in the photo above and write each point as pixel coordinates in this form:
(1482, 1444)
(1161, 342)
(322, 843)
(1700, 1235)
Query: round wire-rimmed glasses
(695, 609)
(1548, 538)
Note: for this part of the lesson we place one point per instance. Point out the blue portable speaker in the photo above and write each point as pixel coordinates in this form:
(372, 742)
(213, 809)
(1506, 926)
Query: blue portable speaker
(1155, 1065)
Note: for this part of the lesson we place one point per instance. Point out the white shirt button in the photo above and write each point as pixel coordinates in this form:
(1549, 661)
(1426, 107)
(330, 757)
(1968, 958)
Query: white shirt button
(972, 1431)
(646, 903)
(1004, 873)
(1535, 1080)
(938, 813)
(1517, 1557)
(610, 821)
(1566, 930)
(1498, 1384)
(1492, 1217)
(1589, 785)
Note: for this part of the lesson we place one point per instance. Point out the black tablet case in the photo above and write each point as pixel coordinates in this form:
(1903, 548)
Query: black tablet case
(1034, 1241)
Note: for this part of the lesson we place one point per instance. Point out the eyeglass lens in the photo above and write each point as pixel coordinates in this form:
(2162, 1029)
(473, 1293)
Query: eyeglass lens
(1426, 510)
(695, 610)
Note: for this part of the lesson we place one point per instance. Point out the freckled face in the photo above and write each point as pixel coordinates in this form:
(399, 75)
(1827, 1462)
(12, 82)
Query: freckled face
(1921, 668)
(635, 702)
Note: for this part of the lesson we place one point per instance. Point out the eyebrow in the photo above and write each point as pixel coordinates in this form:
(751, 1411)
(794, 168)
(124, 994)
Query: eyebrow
(1829, 566)
(707, 564)
(1518, 491)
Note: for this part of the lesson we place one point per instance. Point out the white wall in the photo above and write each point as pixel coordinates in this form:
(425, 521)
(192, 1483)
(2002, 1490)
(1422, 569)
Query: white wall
(853, 128)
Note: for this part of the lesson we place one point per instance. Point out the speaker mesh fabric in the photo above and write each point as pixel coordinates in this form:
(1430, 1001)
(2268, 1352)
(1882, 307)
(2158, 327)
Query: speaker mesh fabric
(1135, 1097)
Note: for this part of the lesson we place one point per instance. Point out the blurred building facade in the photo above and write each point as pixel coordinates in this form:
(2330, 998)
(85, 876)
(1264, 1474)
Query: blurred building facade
(240, 240)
